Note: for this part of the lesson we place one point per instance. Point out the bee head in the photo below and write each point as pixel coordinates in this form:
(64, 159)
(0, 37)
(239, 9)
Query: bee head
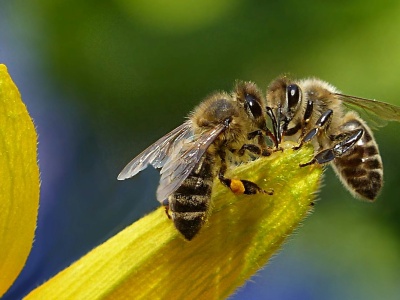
(283, 101)
(250, 98)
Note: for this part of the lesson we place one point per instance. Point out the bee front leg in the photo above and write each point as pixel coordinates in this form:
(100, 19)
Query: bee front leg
(303, 124)
(239, 186)
(307, 116)
(338, 149)
(254, 149)
(322, 123)
(262, 148)
(261, 134)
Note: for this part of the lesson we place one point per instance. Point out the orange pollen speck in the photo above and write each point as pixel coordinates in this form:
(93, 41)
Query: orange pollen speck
(237, 186)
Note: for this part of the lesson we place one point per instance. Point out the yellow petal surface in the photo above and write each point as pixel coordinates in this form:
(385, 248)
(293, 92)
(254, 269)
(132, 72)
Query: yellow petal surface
(19, 181)
(150, 260)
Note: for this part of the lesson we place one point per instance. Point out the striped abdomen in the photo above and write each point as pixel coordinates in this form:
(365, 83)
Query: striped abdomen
(190, 202)
(360, 169)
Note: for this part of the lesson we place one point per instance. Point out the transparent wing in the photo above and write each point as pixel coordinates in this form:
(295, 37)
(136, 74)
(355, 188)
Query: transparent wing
(183, 160)
(157, 154)
(376, 112)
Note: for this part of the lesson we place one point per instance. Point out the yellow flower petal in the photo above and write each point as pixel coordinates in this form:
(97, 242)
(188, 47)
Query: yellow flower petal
(150, 260)
(19, 181)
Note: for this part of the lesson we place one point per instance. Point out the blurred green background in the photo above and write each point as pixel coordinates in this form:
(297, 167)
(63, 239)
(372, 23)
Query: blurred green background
(104, 79)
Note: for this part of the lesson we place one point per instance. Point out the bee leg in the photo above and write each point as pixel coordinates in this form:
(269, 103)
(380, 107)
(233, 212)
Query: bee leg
(307, 116)
(251, 148)
(254, 149)
(322, 123)
(260, 149)
(302, 125)
(238, 186)
(337, 150)
(293, 130)
(254, 134)
(241, 186)
(166, 206)
(263, 150)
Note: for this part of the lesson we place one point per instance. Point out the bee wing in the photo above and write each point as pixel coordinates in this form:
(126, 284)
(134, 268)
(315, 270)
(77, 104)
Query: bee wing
(157, 154)
(182, 162)
(376, 112)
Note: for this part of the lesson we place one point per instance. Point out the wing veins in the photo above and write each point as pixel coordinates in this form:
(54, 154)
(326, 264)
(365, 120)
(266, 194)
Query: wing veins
(157, 153)
(181, 164)
(372, 108)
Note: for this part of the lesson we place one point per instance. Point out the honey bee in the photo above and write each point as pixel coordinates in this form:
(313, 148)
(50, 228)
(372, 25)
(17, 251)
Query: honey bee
(193, 154)
(312, 110)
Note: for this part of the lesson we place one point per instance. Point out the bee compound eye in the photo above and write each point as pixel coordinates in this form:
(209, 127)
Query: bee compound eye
(253, 105)
(293, 95)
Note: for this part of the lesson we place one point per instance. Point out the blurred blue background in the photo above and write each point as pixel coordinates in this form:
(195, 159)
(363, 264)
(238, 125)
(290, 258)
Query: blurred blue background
(104, 79)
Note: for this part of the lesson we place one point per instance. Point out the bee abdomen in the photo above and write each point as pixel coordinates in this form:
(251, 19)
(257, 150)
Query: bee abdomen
(189, 223)
(189, 204)
(361, 168)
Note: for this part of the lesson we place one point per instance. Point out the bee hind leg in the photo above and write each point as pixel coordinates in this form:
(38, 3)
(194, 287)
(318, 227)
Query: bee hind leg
(239, 186)
(165, 203)
(338, 149)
